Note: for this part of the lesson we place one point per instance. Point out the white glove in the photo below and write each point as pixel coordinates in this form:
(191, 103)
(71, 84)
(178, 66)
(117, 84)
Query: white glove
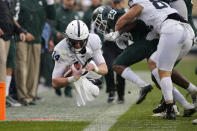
(50, 2)
(111, 36)
(124, 40)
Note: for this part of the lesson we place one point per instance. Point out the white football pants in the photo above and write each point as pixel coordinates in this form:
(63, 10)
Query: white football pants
(175, 41)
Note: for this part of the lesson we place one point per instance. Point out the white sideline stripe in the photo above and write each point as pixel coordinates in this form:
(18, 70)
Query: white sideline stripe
(99, 112)
(107, 119)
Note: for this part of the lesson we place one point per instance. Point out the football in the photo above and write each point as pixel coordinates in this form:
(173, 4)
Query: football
(68, 72)
(77, 66)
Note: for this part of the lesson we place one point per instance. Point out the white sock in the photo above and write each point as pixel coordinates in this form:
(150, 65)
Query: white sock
(129, 75)
(166, 87)
(8, 80)
(156, 75)
(181, 99)
(192, 88)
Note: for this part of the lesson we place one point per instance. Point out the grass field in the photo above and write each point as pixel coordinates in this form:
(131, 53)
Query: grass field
(137, 117)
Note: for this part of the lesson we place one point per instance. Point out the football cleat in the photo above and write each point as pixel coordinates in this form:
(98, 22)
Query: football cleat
(161, 107)
(111, 97)
(143, 92)
(162, 114)
(170, 113)
(194, 122)
(120, 100)
(189, 112)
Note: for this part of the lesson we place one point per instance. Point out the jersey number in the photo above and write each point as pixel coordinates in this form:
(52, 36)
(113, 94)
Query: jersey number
(112, 14)
(55, 56)
(158, 4)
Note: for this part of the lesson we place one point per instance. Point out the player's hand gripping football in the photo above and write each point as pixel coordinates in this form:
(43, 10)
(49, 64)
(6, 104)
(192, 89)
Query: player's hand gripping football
(91, 66)
(76, 72)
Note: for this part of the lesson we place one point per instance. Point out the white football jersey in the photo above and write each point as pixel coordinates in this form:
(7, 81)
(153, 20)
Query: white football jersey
(154, 12)
(64, 57)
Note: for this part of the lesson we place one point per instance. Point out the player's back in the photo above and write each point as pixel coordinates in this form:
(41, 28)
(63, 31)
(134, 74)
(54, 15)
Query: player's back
(154, 12)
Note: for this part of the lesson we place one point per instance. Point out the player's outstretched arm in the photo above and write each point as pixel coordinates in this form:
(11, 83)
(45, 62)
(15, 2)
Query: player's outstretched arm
(59, 82)
(74, 75)
(128, 17)
(100, 69)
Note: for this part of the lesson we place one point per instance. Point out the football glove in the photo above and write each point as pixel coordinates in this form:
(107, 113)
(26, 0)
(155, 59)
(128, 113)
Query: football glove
(112, 36)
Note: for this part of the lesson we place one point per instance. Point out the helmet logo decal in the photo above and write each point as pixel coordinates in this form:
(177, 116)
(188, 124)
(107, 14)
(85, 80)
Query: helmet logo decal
(78, 24)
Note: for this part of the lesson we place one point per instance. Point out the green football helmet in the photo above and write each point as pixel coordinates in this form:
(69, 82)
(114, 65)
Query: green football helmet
(100, 17)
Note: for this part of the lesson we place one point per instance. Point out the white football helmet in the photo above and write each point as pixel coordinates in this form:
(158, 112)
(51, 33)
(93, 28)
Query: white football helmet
(77, 32)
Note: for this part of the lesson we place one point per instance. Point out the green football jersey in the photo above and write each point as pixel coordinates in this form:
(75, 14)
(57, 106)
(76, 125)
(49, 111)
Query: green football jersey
(138, 33)
(189, 6)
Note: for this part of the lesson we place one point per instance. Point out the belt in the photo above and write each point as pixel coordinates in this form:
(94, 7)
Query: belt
(177, 17)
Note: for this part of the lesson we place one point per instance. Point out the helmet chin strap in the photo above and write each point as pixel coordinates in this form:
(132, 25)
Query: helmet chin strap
(81, 50)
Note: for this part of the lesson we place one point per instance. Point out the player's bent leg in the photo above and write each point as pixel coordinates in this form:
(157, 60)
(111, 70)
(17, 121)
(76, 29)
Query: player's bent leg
(189, 109)
(181, 81)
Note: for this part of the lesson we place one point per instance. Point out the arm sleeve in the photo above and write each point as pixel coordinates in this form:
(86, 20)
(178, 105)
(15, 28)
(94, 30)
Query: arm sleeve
(58, 70)
(96, 47)
(98, 57)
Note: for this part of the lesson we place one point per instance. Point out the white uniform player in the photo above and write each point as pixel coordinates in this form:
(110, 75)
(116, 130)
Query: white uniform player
(85, 49)
(154, 12)
(64, 57)
(176, 37)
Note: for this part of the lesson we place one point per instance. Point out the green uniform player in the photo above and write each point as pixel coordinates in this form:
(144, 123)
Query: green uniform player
(139, 33)
(105, 19)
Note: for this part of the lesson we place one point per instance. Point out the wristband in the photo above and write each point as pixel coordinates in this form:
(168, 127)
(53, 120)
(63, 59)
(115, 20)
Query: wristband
(96, 69)
(71, 79)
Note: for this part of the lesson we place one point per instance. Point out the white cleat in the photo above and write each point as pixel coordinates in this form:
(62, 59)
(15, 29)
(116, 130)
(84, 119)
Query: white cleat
(194, 122)
(162, 114)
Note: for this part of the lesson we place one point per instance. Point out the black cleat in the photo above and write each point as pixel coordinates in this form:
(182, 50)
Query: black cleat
(189, 112)
(120, 100)
(143, 92)
(33, 102)
(170, 113)
(161, 107)
(111, 97)
(58, 92)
